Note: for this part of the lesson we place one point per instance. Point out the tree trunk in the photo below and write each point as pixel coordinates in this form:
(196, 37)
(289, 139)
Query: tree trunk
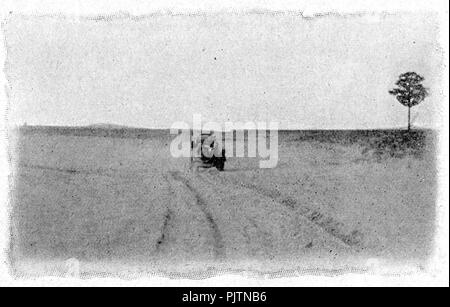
(409, 118)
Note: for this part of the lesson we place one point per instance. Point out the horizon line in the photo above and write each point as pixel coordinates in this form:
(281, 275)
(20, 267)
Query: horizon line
(118, 127)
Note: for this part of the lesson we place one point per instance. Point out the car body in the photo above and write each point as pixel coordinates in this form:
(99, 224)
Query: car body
(206, 152)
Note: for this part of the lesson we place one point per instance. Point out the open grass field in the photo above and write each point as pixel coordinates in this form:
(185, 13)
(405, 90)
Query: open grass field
(116, 200)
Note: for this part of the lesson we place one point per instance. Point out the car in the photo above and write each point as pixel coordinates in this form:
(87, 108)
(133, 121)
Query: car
(207, 152)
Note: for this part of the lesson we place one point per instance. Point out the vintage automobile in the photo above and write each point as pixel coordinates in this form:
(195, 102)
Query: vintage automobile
(206, 152)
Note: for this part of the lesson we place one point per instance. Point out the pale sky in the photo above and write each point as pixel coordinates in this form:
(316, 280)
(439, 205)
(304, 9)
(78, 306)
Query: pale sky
(328, 72)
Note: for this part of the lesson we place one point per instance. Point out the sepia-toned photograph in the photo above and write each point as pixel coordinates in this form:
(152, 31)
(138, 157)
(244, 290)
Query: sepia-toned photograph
(188, 145)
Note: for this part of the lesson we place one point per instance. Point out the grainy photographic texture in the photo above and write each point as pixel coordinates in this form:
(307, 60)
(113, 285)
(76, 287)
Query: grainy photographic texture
(97, 188)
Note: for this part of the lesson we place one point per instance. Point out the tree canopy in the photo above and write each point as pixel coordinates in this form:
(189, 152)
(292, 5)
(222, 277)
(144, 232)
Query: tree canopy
(410, 91)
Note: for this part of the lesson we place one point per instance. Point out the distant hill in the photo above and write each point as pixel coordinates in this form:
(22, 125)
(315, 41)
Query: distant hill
(96, 130)
(109, 126)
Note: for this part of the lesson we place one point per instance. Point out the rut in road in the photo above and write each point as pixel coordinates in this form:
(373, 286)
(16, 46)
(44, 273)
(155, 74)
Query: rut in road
(164, 231)
(258, 239)
(168, 216)
(219, 247)
(327, 224)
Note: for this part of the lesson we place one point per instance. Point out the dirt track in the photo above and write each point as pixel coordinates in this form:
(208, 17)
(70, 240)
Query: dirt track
(238, 223)
(127, 201)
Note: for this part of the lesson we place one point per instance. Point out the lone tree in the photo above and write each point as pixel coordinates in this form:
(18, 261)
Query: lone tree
(410, 91)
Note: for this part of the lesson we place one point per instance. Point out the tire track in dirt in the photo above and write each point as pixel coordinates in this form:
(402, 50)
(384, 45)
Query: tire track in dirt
(168, 216)
(160, 242)
(258, 240)
(327, 224)
(106, 172)
(218, 244)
